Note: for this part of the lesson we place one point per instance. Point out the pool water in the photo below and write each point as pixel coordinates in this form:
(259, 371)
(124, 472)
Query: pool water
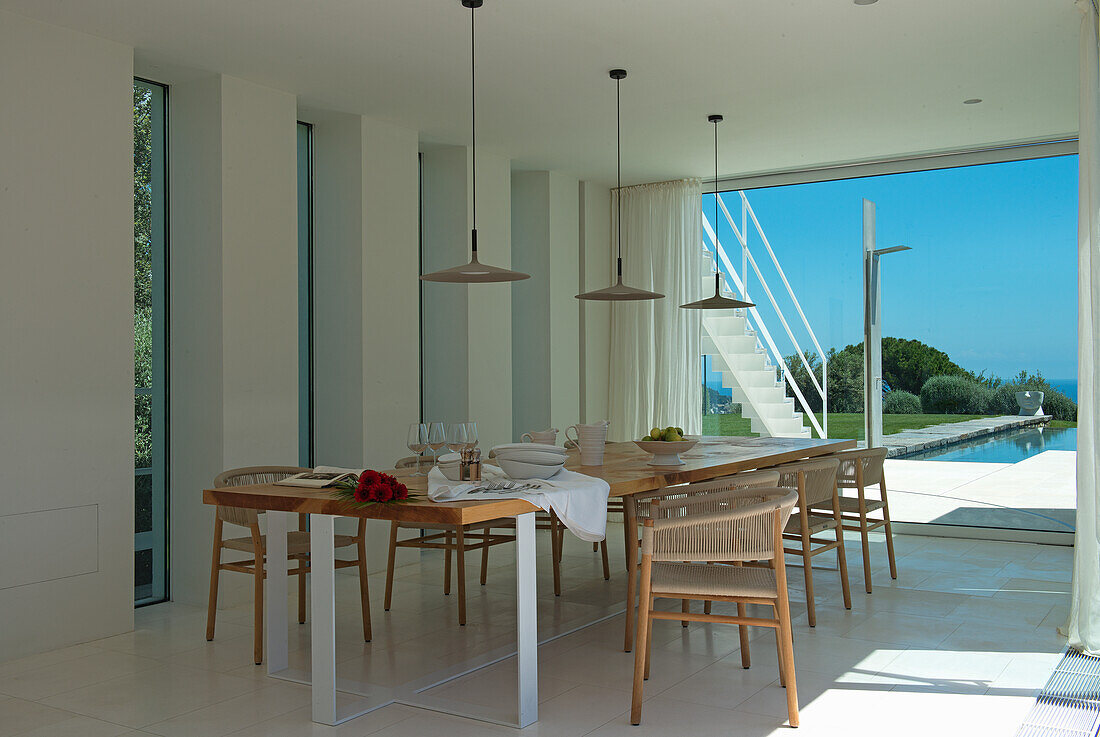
(1005, 447)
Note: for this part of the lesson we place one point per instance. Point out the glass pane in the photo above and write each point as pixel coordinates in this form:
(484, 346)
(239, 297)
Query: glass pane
(957, 346)
(143, 503)
(143, 573)
(143, 431)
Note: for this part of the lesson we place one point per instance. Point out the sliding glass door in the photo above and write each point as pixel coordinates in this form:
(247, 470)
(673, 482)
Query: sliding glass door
(150, 345)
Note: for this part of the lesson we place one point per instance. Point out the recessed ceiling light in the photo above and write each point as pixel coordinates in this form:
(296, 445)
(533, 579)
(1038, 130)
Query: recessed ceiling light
(865, 2)
(972, 101)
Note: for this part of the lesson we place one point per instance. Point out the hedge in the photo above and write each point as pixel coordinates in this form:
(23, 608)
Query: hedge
(899, 402)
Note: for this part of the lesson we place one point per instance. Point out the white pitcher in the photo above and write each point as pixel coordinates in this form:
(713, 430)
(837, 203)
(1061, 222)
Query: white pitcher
(591, 440)
(545, 437)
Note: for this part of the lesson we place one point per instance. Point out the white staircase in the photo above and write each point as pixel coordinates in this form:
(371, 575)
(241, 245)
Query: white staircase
(748, 358)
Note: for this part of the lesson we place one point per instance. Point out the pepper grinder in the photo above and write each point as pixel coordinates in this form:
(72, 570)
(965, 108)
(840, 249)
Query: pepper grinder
(470, 464)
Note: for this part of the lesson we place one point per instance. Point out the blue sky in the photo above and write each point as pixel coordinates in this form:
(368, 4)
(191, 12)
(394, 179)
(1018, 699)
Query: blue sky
(991, 279)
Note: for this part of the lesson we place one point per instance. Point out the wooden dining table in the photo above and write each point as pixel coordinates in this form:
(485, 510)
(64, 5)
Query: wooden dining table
(626, 471)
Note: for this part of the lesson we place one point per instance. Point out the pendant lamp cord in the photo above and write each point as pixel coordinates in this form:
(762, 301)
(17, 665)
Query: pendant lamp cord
(473, 134)
(716, 190)
(619, 179)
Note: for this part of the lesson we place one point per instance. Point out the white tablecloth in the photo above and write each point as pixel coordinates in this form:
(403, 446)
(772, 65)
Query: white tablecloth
(579, 501)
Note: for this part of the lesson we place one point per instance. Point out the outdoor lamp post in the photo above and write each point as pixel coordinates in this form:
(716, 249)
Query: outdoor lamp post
(872, 328)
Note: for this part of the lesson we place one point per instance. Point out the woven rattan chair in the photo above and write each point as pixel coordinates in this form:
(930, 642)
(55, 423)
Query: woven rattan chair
(815, 481)
(456, 539)
(858, 470)
(722, 527)
(636, 511)
(256, 545)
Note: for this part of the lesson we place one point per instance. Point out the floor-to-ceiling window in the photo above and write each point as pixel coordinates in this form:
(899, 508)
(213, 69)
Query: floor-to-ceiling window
(982, 307)
(305, 294)
(150, 344)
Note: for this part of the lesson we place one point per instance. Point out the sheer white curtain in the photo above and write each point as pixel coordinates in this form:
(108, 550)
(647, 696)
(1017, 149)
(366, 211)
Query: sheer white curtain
(656, 372)
(1083, 627)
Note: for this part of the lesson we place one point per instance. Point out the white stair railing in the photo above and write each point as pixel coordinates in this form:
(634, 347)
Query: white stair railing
(747, 259)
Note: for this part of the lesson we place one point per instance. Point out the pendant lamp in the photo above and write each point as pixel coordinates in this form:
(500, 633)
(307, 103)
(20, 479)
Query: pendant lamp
(619, 292)
(717, 302)
(474, 272)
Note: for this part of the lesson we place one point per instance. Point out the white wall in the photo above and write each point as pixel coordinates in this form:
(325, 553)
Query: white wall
(234, 311)
(66, 370)
(595, 267)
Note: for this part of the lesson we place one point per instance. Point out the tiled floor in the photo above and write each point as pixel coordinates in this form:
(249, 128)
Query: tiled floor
(958, 645)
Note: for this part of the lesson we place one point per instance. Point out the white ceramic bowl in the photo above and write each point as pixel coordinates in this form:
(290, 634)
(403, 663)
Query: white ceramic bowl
(453, 471)
(537, 457)
(666, 453)
(508, 447)
(521, 470)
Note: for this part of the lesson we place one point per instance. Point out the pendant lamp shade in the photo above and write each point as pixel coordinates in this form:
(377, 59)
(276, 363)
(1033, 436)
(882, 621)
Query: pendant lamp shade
(717, 302)
(473, 272)
(619, 292)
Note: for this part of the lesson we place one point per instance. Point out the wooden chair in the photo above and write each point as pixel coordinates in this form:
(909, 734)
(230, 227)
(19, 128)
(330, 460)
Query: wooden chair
(636, 510)
(815, 481)
(858, 470)
(725, 527)
(256, 545)
(457, 539)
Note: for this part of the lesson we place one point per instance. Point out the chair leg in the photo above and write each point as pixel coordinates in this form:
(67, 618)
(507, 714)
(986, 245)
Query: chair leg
(303, 524)
(606, 564)
(460, 561)
(641, 649)
(449, 541)
(390, 560)
(842, 558)
(685, 607)
(555, 553)
(889, 530)
(743, 636)
(485, 555)
(595, 547)
(808, 571)
(215, 570)
(785, 643)
(364, 588)
(258, 597)
(865, 536)
(630, 540)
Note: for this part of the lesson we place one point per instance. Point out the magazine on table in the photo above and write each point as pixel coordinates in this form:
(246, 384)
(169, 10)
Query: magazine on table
(316, 479)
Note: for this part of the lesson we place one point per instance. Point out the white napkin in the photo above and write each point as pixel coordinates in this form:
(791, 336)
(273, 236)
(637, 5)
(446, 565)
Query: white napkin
(579, 501)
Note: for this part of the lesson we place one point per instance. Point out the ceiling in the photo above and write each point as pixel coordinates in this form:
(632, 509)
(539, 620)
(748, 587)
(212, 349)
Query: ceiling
(801, 82)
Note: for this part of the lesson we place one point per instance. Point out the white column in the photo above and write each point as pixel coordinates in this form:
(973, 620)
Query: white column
(527, 639)
(872, 332)
(234, 304)
(323, 617)
(595, 272)
(546, 348)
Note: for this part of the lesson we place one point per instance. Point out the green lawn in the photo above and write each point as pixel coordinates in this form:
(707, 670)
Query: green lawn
(846, 425)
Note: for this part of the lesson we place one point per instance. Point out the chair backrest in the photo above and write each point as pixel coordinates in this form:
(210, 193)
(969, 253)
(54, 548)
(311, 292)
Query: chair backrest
(871, 459)
(728, 526)
(815, 480)
(745, 480)
(245, 477)
(406, 462)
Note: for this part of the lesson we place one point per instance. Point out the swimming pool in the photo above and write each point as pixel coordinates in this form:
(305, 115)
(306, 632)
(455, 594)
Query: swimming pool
(1003, 447)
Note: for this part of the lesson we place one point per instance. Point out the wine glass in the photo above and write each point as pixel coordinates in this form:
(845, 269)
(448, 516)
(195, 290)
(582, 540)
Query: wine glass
(436, 438)
(471, 434)
(418, 442)
(456, 437)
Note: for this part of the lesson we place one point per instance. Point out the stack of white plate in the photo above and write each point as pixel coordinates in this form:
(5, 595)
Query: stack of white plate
(449, 464)
(530, 460)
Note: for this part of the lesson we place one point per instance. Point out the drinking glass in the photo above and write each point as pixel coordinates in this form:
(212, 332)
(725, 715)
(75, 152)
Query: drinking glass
(456, 437)
(418, 443)
(471, 434)
(436, 438)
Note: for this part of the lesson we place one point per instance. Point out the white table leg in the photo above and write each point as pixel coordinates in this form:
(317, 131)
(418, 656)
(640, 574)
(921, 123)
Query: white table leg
(275, 592)
(527, 641)
(322, 616)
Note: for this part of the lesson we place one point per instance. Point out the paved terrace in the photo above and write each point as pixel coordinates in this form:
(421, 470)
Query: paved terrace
(911, 441)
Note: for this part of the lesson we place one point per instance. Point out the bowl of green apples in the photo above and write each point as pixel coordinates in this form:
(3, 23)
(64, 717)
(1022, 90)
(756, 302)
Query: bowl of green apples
(665, 445)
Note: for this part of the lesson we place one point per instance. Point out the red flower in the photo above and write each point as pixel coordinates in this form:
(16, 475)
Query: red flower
(378, 488)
